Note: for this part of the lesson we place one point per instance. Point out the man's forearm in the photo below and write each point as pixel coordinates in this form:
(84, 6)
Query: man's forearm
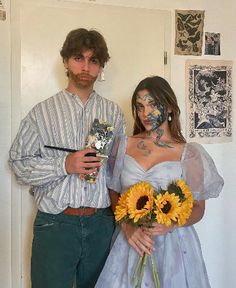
(37, 171)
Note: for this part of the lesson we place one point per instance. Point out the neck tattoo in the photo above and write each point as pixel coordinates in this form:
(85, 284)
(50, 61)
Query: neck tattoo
(157, 140)
(144, 148)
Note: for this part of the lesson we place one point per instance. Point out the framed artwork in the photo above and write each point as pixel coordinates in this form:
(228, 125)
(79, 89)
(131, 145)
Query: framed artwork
(212, 43)
(209, 101)
(2, 12)
(189, 32)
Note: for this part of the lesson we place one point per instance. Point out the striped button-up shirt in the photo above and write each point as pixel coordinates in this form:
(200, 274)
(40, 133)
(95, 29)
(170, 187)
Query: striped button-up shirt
(61, 121)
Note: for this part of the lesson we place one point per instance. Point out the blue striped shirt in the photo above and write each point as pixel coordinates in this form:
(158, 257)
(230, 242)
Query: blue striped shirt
(63, 121)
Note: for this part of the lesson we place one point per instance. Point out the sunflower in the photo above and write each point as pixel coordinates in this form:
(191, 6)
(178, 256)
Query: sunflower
(167, 208)
(184, 188)
(187, 205)
(121, 207)
(185, 212)
(140, 200)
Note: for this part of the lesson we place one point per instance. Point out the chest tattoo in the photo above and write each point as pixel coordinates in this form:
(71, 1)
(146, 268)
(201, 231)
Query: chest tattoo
(141, 146)
(157, 140)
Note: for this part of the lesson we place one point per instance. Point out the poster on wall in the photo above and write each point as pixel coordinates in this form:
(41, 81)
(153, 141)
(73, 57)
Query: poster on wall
(212, 43)
(209, 101)
(2, 12)
(189, 32)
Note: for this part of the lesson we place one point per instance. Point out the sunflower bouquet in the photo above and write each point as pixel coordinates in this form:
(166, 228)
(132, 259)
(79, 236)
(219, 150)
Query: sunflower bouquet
(141, 205)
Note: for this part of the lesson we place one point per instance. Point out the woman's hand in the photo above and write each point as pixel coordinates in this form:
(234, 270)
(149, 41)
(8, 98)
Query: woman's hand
(138, 239)
(158, 229)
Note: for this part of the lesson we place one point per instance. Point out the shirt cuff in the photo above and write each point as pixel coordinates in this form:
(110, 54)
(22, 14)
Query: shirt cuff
(60, 166)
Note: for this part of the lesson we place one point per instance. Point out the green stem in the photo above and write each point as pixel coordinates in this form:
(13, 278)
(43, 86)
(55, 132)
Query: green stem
(137, 267)
(143, 265)
(155, 273)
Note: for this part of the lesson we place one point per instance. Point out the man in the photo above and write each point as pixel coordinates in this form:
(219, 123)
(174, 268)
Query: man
(74, 224)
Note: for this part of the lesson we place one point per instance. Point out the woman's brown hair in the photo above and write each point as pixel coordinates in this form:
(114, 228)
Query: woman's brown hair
(163, 94)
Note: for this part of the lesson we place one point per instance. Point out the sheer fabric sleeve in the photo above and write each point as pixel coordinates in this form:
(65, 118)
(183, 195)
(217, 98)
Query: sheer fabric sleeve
(200, 172)
(115, 164)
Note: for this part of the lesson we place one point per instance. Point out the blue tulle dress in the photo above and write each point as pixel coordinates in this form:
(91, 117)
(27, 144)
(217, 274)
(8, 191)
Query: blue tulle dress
(178, 254)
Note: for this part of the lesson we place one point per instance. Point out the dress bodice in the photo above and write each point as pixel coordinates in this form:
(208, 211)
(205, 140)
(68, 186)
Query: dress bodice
(159, 175)
(195, 167)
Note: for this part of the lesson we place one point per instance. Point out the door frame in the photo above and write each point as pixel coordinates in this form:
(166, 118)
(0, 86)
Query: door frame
(16, 190)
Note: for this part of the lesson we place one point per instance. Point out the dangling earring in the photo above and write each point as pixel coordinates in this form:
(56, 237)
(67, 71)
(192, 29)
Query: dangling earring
(101, 76)
(66, 72)
(169, 117)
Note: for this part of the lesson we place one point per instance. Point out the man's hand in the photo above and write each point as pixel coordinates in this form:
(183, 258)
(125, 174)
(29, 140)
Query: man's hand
(78, 163)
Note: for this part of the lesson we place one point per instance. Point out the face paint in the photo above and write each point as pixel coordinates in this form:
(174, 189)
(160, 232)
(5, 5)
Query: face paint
(157, 112)
(157, 117)
(147, 98)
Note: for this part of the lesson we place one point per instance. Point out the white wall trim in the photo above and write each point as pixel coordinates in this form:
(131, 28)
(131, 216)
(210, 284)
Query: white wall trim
(16, 225)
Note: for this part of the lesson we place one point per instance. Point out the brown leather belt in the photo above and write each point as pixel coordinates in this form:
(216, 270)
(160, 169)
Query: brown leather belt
(82, 211)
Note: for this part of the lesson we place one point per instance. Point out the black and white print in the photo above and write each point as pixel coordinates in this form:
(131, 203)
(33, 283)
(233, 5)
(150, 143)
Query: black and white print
(209, 101)
(212, 43)
(2, 12)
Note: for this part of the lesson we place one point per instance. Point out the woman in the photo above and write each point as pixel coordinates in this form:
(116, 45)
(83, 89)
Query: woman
(158, 153)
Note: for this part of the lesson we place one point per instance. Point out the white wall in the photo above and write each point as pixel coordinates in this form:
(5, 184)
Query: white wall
(216, 230)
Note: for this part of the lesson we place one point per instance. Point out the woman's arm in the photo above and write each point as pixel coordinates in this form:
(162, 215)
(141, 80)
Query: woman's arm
(135, 236)
(114, 196)
(197, 212)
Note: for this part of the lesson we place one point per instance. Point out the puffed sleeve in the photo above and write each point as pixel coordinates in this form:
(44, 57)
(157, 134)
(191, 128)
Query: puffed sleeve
(115, 163)
(200, 173)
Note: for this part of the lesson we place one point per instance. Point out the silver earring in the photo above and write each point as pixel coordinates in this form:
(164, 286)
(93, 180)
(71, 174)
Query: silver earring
(169, 117)
(66, 72)
(101, 76)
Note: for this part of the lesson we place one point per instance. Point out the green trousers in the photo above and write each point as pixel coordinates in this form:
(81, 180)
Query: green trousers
(68, 248)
